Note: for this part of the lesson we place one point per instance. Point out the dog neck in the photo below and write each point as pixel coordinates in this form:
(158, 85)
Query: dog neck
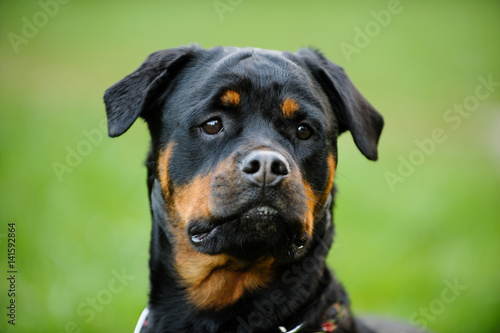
(296, 294)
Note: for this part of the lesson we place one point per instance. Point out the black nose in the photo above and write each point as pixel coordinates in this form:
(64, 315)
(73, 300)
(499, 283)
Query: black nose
(265, 168)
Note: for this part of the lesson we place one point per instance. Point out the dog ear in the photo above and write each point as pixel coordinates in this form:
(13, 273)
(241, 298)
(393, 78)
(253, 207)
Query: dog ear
(131, 97)
(353, 111)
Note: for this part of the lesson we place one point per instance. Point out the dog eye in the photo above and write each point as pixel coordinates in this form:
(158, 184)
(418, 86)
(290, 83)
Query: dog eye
(213, 126)
(304, 132)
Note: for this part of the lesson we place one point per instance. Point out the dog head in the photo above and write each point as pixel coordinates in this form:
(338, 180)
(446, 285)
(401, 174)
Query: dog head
(244, 152)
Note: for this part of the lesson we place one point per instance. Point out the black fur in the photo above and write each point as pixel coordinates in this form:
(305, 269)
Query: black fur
(176, 91)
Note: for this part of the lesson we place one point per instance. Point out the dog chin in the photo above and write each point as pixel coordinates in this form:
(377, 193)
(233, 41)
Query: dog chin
(256, 233)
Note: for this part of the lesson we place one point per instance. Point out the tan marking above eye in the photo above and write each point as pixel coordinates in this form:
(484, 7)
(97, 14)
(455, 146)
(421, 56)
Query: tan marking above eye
(289, 107)
(230, 98)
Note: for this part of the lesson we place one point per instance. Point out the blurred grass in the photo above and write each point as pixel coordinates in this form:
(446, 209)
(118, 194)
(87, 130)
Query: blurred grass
(393, 249)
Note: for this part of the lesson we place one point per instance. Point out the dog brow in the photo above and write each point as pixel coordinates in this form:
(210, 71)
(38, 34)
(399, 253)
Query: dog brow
(289, 107)
(230, 98)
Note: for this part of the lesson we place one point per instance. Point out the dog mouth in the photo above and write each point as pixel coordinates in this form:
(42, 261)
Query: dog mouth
(250, 235)
(198, 232)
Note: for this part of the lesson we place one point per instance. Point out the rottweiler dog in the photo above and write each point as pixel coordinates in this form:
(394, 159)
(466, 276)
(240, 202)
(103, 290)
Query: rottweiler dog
(241, 183)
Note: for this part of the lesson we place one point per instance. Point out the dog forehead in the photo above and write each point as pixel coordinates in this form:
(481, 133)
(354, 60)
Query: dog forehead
(244, 68)
(261, 67)
(261, 76)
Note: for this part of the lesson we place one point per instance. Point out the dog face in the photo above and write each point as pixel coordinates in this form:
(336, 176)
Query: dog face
(244, 155)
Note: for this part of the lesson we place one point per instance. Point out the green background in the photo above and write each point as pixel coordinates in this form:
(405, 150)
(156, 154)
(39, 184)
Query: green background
(396, 246)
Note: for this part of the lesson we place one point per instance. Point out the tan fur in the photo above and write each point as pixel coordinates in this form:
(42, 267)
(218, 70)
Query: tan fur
(230, 98)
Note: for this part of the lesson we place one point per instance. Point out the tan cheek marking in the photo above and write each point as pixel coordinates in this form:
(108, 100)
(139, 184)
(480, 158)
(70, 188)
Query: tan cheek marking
(191, 201)
(230, 98)
(163, 160)
(194, 201)
(332, 165)
(311, 205)
(316, 200)
(289, 107)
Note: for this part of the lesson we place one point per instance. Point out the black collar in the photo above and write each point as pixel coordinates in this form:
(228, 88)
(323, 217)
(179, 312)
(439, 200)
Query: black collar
(331, 319)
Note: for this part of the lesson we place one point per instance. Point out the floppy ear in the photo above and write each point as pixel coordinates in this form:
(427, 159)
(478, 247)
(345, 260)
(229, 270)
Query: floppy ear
(353, 111)
(130, 98)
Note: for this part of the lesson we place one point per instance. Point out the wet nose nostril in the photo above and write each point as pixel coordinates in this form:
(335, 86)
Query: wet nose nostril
(279, 168)
(251, 167)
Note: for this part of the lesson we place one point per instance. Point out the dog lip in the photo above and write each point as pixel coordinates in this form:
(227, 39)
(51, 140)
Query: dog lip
(200, 232)
(260, 211)
(204, 229)
(198, 238)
